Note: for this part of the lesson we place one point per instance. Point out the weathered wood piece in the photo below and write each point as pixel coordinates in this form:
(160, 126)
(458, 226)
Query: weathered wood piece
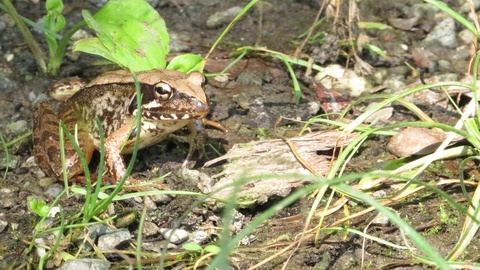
(275, 157)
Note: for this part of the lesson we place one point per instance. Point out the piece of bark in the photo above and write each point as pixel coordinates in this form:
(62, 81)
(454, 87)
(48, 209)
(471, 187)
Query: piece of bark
(259, 158)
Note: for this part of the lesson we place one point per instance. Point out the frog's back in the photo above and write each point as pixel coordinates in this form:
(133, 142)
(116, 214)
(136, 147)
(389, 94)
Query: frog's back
(109, 103)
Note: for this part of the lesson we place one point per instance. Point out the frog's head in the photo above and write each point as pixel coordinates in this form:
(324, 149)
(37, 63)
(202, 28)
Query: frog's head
(173, 96)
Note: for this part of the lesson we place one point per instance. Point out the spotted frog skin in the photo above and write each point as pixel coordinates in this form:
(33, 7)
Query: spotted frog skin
(170, 101)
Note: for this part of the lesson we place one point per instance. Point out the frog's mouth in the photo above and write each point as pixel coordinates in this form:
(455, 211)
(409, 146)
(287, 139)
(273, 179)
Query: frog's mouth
(183, 110)
(172, 116)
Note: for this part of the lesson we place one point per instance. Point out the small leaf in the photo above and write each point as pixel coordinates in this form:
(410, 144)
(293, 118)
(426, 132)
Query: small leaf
(212, 249)
(54, 6)
(39, 207)
(373, 25)
(186, 63)
(54, 19)
(376, 50)
(192, 247)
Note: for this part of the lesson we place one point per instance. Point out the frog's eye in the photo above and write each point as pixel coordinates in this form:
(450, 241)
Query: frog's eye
(163, 91)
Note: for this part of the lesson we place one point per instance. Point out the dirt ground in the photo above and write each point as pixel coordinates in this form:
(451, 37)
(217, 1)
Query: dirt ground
(258, 91)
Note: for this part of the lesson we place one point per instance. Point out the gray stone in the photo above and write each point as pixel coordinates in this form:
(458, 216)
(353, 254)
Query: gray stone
(338, 78)
(223, 17)
(54, 191)
(395, 84)
(93, 233)
(379, 194)
(152, 246)
(114, 239)
(379, 219)
(200, 237)
(6, 83)
(175, 236)
(465, 8)
(443, 34)
(3, 224)
(466, 36)
(85, 264)
(444, 66)
(18, 127)
(179, 42)
(3, 25)
(13, 162)
(150, 229)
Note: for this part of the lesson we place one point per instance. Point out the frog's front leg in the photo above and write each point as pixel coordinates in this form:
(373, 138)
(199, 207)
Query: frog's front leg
(114, 160)
(113, 157)
(193, 139)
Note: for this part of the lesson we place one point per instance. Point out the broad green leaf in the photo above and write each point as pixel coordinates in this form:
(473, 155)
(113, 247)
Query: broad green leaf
(131, 33)
(93, 46)
(186, 63)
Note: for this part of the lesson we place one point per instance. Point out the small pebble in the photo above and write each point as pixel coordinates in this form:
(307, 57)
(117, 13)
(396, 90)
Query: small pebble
(85, 264)
(3, 224)
(18, 127)
(114, 239)
(223, 17)
(13, 162)
(175, 236)
(200, 237)
(379, 219)
(150, 229)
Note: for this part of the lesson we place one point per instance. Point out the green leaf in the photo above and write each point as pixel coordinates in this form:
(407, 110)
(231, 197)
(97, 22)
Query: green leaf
(93, 46)
(192, 247)
(54, 22)
(54, 6)
(130, 33)
(212, 249)
(373, 25)
(54, 19)
(376, 50)
(39, 207)
(186, 63)
(394, 164)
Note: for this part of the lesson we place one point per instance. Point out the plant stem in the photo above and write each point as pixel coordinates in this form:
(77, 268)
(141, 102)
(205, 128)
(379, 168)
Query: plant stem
(56, 59)
(32, 43)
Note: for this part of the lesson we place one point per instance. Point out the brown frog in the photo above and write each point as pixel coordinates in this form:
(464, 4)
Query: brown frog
(170, 101)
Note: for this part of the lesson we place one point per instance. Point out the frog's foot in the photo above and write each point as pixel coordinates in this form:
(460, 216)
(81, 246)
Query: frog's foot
(217, 125)
(195, 141)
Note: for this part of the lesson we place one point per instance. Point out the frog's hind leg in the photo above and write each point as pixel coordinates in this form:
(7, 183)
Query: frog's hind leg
(85, 143)
(45, 123)
(46, 141)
